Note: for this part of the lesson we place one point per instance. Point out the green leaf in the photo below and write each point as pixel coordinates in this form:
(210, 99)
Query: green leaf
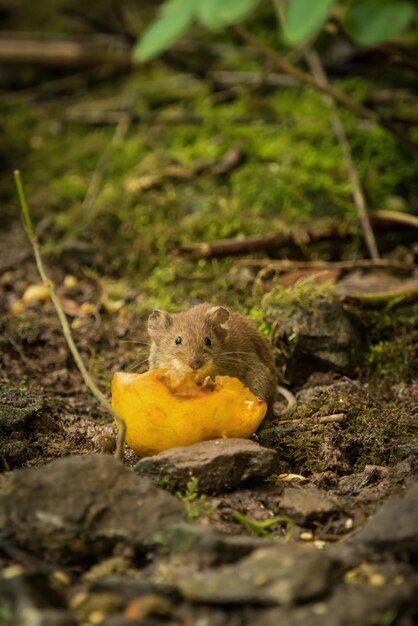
(174, 18)
(369, 22)
(214, 14)
(303, 18)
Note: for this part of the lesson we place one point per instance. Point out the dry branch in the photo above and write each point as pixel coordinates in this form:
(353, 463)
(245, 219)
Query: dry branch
(256, 243)
(382, 221)
(289, 266)
(326, 419)
(17, 49)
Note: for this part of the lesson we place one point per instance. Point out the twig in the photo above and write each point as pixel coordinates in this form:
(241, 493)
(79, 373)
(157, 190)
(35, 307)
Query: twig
(403, 294)
(64, 323)
(318, 72)
(337, 417)
(383, 221)
(341, 98)
(60, 85)
(18, 48)
(326, 419)
(286, 265)
(257, 243)
(394, 218)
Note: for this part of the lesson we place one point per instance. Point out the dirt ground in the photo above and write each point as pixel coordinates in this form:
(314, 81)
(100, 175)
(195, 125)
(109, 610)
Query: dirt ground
(328, 478)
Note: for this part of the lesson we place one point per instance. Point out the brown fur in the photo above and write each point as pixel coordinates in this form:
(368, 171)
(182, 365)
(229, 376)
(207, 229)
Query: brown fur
(238, 348)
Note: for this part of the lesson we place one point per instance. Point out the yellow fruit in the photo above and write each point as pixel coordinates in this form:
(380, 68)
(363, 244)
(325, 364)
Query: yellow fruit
(161, 412)
(36, 293)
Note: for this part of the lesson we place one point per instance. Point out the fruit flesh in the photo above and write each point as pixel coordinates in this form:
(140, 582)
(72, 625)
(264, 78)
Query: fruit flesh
(161, 412)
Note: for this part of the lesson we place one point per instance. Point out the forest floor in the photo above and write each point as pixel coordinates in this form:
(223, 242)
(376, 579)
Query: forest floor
(119, 175)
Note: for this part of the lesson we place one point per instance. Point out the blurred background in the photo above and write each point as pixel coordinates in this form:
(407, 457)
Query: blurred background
(126, 161)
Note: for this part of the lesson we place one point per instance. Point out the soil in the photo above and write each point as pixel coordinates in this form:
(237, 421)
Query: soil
(201, 557)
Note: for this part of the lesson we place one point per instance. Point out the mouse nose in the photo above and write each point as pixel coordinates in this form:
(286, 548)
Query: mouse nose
(196, 364)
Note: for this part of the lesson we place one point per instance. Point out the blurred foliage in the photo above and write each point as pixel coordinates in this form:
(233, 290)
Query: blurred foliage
(367, 22)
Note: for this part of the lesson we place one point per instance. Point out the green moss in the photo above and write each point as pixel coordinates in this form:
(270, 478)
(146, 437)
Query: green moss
(393, 345)
(370, 433)
(292, 171)
(280, 303)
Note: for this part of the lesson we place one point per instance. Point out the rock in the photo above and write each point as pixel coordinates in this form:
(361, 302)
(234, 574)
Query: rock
(365, 481)
(306, 505)
(349, 606)
(129, 589)
(283, 574)
(394, 526)
(323, 336)
(83, 506)
(218, 465)
(207, 546)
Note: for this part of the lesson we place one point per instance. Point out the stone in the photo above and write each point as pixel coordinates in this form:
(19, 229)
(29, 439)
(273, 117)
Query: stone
(322, 337)
(349, 606)
(218, 465)
(394, 526)
(282, 574)
(129, 589)
(207, 546)
(306, 505)
(84, 506)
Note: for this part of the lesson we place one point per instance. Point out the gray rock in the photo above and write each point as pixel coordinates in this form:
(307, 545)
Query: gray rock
(322, 336)
(395, 525)
(207, 546)
(308, 504)
(349, 605)
(218, 465)
(83, 506)
(284, 574)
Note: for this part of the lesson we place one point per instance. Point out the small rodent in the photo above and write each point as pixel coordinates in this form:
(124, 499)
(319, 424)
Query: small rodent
(212, 340)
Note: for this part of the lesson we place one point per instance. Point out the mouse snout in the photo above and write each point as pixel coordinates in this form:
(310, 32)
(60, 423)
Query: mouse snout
(196, 363)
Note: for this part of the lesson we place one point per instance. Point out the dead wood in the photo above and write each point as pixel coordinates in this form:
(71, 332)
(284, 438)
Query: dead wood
(382, 221)
(285, 265)
(28, 49)
(257, 243)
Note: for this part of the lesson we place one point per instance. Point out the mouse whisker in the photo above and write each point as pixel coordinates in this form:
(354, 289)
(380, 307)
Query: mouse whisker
(230, 362)
(142, 343)
(137, 365)
(235, 352)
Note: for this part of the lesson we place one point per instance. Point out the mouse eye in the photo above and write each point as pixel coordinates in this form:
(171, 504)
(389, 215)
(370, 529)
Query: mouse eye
(208, 342)
(178, 341)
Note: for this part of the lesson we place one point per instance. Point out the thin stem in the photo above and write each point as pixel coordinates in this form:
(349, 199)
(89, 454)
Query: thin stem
(64, 322)
(359, 199)
(341, 98)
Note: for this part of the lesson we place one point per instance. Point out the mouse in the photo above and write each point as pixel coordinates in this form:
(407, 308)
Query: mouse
(211, 341)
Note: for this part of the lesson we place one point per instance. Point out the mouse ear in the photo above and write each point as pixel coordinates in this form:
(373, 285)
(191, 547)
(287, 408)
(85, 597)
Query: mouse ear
(159, 320)
(218, 315)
